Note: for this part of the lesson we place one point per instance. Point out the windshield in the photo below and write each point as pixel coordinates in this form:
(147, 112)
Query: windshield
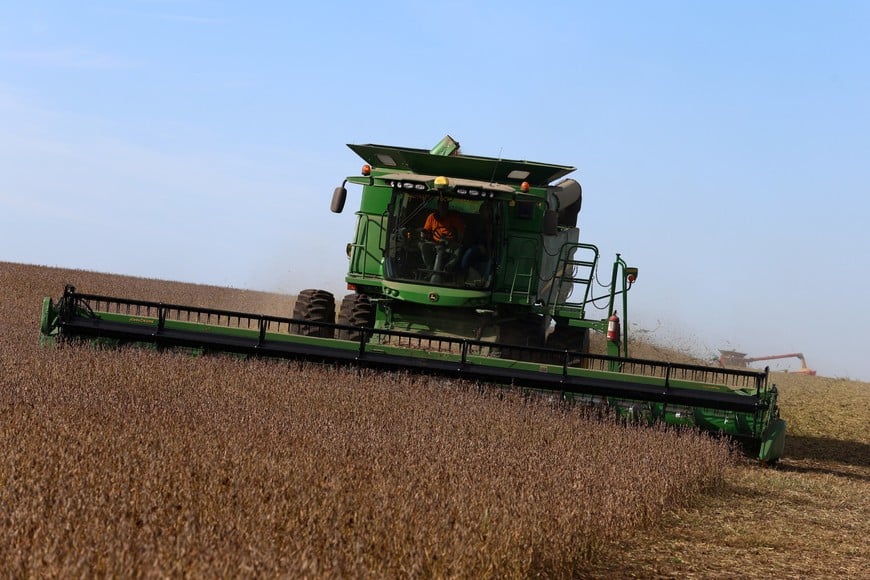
(441, 240)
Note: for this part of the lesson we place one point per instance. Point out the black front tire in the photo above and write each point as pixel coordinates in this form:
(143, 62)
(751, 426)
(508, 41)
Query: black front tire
(356, 310)
(314, 306)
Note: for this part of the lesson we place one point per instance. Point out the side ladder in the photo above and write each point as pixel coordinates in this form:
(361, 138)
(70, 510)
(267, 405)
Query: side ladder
(523, 269)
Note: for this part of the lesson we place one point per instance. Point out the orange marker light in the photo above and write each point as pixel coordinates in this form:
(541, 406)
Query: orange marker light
(366, 169)
(524, 187)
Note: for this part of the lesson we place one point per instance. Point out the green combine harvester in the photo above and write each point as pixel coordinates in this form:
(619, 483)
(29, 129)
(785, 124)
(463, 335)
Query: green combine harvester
(467, 267)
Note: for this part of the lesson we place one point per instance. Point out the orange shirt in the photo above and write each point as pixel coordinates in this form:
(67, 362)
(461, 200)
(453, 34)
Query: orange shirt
(448, 227)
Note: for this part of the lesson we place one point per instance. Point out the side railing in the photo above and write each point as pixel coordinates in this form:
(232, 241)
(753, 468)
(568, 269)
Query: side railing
(575, 271)
(361, 259)
(148, 320)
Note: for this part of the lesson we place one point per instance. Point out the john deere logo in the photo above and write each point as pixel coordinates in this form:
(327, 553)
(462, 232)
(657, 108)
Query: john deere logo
(433, 297)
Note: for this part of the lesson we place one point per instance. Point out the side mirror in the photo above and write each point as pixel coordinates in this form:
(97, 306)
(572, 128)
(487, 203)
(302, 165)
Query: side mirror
(551, 222)
(338, 198)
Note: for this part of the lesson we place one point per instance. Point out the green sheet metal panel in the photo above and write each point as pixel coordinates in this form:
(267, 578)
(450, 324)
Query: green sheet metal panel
(489, 169)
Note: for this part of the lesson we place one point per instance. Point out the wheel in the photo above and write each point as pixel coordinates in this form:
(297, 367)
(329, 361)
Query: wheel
(356, 310)
(571, 338)
(315, 306)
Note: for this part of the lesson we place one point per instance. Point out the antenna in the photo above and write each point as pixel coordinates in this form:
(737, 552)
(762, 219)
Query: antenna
(495, 167)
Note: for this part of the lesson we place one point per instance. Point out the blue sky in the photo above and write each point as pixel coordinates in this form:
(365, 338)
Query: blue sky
(723, 147)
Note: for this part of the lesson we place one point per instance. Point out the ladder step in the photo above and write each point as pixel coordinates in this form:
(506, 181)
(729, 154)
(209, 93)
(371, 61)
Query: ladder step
(579, 263)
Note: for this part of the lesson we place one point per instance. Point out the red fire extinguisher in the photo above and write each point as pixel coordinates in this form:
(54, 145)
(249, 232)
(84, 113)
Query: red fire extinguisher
(613, 328)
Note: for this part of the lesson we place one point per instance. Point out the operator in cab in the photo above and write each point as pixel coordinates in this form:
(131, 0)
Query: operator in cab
(444, 224)
(442, 235)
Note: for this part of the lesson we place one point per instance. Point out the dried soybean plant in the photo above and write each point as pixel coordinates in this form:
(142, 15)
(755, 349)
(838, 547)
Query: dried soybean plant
(134, 462)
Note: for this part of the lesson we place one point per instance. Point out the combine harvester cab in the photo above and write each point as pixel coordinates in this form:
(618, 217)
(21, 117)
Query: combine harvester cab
(465, 246)
(502, 299)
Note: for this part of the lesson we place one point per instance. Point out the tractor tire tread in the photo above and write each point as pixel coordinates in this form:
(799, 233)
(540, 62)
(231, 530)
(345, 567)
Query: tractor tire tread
(316, 306)
(355, 310)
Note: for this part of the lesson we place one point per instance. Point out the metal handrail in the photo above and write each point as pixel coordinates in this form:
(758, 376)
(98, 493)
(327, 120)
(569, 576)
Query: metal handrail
(362, 261)
(566, 258)
(90, 306)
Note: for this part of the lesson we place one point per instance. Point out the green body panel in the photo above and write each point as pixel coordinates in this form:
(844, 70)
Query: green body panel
(422, 161)
(773, 441)
(441, 297)
(375, 200)
(438, 321)
(48, 323)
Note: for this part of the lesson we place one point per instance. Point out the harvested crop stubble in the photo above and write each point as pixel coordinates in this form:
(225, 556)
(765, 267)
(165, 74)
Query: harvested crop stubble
(135, 462)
